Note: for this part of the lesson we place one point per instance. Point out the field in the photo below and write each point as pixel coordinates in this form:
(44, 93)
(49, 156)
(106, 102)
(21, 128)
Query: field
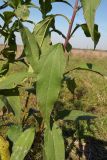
(90, 95)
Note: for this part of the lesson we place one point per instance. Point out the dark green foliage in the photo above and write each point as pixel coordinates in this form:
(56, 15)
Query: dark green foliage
(45, 7)
(85, 28)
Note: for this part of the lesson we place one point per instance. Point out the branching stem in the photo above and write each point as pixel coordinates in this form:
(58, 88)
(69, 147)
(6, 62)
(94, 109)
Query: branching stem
(71, 24)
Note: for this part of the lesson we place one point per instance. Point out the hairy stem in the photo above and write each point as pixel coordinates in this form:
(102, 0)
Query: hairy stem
(71, 24)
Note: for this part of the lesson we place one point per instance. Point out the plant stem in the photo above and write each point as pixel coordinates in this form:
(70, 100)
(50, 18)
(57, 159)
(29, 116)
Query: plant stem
(71, 24)
(3, 6)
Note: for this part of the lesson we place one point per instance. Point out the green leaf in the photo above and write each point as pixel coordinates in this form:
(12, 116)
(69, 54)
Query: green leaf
(48, 144)
(89, 9)
(71, 84)
(8, 15)
(11, 99)
(9, 51)
(68, 47)
(1, 102)
(46, 45)
(87, 32)
(12, 80)
(89, 65)
(22, 12)
(96, 33)
(45, 7)
(41, 32)
(51, 68)
(27, 2)
(79, 115)
(61, 114)
(23, 144)
(31, 48)
(15, 104)
(54, 144)
(14, 132)
(14, 3)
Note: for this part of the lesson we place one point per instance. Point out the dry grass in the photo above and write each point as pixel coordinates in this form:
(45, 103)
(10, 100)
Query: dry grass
(89, 53)
(75, 52)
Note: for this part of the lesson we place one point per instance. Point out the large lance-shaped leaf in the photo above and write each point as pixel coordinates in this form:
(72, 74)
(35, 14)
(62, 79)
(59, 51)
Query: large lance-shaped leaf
(31, 48)
(89, 9)
(79, 115)
(51, 68)
(41, 32)
(11, 81)
(23, 144)
(54, 144)
(48, 145)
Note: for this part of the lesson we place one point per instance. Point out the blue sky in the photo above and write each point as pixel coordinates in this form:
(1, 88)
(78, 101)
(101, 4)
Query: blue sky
(78, 40)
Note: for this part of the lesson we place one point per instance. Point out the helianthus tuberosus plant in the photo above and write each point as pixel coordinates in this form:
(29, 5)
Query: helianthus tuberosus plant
(44, 67)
